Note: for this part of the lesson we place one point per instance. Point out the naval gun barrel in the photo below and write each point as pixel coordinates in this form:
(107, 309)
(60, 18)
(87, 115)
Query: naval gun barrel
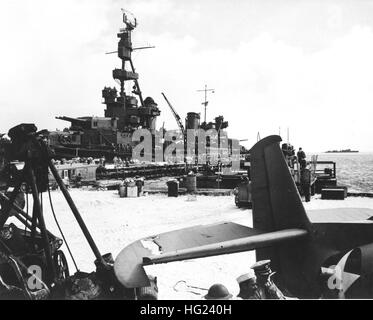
(71, 119)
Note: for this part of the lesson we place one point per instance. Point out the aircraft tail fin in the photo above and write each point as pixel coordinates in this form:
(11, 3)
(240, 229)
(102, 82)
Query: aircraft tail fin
(277, 205)
(276, 201)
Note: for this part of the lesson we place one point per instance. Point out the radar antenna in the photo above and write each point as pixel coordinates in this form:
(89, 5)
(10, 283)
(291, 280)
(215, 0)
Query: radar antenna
(129, 19)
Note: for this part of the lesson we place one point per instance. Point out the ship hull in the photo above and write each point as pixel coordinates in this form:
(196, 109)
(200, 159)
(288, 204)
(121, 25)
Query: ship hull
(73, 152)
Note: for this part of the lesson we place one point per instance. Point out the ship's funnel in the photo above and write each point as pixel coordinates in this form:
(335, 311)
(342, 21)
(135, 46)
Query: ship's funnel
(192, 120)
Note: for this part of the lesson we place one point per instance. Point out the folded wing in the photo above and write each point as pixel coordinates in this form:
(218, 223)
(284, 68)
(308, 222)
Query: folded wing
(278, 216)
(192, 243)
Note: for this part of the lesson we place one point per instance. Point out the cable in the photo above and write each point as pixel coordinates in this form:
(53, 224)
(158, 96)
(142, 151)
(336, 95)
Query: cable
(182, 285)
(59, 228)
(26, 208)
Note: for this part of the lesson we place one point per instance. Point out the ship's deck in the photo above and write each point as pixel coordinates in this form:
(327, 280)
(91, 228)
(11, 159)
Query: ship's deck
(116, 222)
(340, 214)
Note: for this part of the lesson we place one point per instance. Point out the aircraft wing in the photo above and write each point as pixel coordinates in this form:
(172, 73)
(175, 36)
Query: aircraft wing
(278, 216)
(192, 243)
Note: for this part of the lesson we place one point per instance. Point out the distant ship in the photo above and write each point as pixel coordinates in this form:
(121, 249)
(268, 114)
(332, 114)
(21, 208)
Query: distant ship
(342, 151)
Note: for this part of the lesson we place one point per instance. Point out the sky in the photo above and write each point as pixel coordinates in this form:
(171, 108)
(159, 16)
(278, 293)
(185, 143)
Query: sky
(298, 64)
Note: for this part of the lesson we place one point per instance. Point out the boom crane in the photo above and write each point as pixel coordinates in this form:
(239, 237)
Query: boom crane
(177, 117)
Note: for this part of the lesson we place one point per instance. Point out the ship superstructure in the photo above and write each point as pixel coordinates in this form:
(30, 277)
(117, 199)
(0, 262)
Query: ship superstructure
(125, 112)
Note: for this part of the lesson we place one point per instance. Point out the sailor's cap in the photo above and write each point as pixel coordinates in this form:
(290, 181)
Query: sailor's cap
(245, 277)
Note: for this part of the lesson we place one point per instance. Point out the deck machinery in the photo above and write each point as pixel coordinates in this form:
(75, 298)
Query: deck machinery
(32, 264)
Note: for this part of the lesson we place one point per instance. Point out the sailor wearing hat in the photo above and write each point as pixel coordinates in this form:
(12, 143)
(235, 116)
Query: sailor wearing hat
(218, 292)
(266, 288)
(248, 286)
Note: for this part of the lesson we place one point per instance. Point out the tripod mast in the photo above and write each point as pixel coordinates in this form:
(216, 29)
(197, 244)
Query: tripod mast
(205, 103)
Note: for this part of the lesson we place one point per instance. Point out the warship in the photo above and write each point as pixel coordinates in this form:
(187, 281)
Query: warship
(111, 135)
(342, 151)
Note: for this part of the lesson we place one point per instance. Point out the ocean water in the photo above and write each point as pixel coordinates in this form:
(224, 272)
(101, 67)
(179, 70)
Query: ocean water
(354, 170)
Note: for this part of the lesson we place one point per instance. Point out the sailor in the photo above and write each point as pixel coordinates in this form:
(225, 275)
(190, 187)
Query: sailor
(66, 182)
(218, 292)
(248, 286)
(266, 288)
(301, 158)
(79, 180)
(292, 157)
(103, 161)
(305, 183)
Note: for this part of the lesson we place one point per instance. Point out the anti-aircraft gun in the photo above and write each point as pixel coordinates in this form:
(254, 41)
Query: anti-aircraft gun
(32, 264)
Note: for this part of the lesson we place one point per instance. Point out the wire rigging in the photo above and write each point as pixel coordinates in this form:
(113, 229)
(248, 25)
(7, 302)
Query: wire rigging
(59, 228)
